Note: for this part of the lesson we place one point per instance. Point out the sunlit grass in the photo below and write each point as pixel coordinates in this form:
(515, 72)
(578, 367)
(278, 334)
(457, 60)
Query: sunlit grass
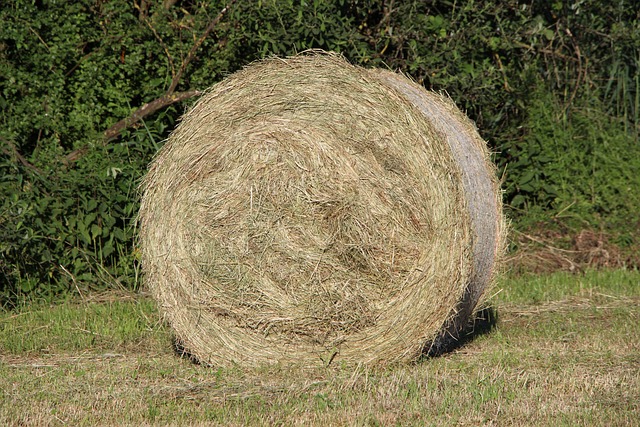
(565, 351)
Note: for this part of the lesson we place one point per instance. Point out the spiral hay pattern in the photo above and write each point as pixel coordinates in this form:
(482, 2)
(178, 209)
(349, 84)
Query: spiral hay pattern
(308, 211)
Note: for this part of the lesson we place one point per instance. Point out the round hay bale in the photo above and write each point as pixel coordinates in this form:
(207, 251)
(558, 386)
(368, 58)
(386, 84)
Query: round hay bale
(307, 211)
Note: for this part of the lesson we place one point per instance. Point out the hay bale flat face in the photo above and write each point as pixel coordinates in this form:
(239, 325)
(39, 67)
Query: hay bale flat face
(307, 210)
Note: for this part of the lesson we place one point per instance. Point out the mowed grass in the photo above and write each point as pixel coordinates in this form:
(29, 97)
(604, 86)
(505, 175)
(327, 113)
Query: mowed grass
(565, 351)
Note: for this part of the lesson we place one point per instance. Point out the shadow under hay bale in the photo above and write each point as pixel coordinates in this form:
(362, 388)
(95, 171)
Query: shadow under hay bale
(482, 322)
(307, 211)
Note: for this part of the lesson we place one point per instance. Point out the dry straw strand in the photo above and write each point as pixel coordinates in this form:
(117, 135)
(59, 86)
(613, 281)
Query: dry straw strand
(306, 210)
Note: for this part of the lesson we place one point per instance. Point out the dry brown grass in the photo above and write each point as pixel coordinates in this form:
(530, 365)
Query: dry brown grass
(552, 247)
(309, 211)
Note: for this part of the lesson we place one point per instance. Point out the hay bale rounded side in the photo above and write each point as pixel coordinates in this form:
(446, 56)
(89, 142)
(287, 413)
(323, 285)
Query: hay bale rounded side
(306, 210)
(482, 194)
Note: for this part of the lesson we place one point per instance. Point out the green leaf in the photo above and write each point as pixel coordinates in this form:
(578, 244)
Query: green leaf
(85, 237)
(518, 201)
(117, 232)
(527, 188)
(96, 231)
(107, 249)
(92, 205)
(27, 285)
(526, 178)
(90, 218)
(548, 34)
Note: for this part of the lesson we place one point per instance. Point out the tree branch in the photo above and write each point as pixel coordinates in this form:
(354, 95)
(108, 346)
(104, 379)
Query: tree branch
(143, 9)
(165, 100)
(196, 46)
(149, 108)
(146, 109)
(13, 151)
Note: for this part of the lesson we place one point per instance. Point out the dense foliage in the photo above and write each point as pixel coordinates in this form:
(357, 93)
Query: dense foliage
(554, 86)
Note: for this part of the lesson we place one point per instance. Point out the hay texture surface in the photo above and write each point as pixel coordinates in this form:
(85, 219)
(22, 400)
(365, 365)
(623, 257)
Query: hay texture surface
(308, 211)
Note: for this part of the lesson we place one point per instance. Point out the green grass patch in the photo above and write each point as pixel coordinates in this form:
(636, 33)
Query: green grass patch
(535, 289)
(565, 351)
(112, 322)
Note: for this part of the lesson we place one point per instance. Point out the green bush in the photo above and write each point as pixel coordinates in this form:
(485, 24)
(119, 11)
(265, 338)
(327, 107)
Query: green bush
(69, 72)
(581, 167)
(553, 86)
(72, 226)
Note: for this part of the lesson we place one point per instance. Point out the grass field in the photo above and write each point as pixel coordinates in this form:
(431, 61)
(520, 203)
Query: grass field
(565, 351)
